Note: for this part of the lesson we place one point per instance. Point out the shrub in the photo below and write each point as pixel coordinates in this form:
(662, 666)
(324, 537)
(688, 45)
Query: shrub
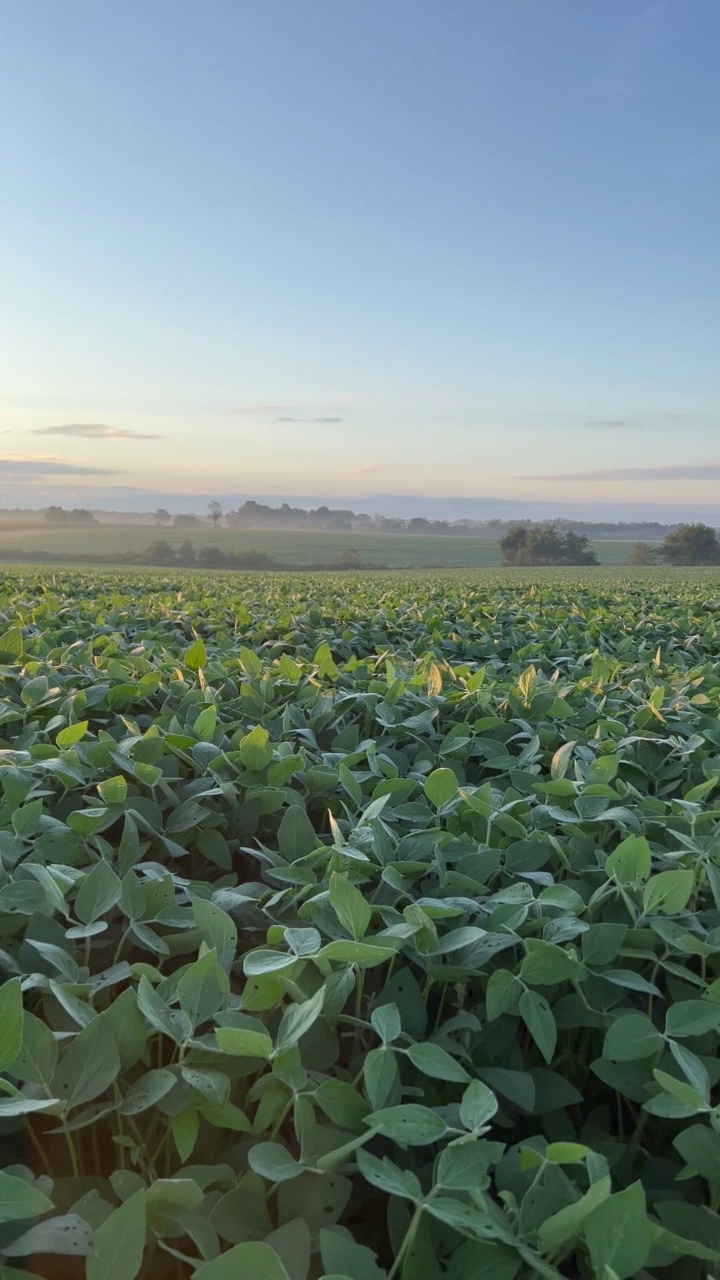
(524, 545)
(691, 544)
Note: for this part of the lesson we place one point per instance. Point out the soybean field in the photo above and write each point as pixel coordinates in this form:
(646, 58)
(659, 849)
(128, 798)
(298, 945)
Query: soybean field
(360, 927)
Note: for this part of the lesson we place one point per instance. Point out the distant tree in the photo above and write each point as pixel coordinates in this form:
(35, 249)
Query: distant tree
(216, 512)
(642, 554)
(691, 544)
(350, 559)
(159, 552)
(525, 545)
(186, 554)
(78, 515)
(162, 516)
(250, 559)
(185, 522)
(211, 557)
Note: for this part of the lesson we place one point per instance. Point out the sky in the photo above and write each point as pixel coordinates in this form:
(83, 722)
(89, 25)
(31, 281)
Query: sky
(459, 252)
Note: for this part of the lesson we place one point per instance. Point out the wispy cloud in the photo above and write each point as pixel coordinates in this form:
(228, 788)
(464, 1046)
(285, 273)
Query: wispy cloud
(677, 471)
(95, 431)
(286, 418)
(290, 412)
(18, 465)
(252, 410)
(377, 468)
(611, 424)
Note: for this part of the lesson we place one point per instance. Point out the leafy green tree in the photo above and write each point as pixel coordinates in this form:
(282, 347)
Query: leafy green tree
(642, 554)
(692, 544)
(525, 545)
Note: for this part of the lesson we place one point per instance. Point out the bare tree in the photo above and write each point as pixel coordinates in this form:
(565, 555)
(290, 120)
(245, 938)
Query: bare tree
(216, 513)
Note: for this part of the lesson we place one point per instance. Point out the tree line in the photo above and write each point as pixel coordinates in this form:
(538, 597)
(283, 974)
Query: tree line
(527, 545)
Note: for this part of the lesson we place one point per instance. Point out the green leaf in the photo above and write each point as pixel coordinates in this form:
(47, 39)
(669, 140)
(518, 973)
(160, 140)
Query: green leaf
(692, 1018)
(629, 863)
(503, 992)
(349, 905)
(119, 1243)
(11, 1022)
(298, 1019)
(38, 1057)
(296, 835)
(363, 954)
(343, 1256)
(478, 1105)
(435, 1062)
(87, 1067)
(567, 1223)
(66, 1235)
(154, 1008)
(238, 1042)
(11, 645)
(632, 1037)
(387, 1177)
(440, 787)
(463, 1166)
(537, 1016)
(249, 1261)
(196, 656)
(381, 1078)
(469, 1221)
(260, 961)
(683, 1092)
(99, 891)
(74, 732)
(206, 724)
(20, 1199)
(561, 760)
(547, 965)
(566, 1152)
(386, 1022)
(203, 989)
(169, 1199)
(699, 1147)
(273, 1162)
(113, 790)
(217, 929)
(254, 750)
(185, 1128)
(618, 1234)
(415, 1125)
(668, 892)
(484, 1260)
(146, 1091)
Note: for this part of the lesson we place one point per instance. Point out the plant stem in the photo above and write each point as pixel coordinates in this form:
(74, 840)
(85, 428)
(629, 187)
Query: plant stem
(39, 1149)
(409, 1237)
(73, 1155)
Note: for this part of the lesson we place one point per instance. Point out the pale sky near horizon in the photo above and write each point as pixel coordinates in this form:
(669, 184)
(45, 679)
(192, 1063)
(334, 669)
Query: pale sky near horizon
(389, 247)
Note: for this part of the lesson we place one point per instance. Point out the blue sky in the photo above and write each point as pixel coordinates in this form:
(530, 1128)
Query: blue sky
(360, 250)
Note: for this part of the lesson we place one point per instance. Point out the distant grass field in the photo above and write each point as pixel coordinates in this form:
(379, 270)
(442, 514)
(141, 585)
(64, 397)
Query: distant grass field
(288, 547)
